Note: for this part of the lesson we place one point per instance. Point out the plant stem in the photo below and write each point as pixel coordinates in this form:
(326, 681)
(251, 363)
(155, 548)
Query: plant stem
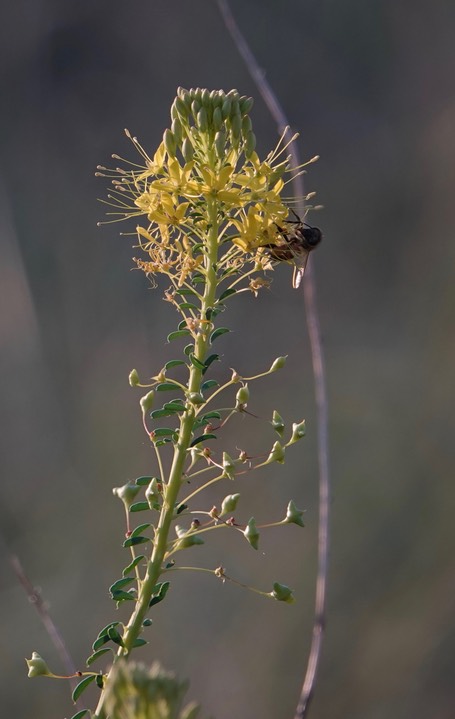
(173, 486)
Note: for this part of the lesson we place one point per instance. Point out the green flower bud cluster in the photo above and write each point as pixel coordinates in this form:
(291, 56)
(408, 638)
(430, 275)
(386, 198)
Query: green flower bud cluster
(220, 120)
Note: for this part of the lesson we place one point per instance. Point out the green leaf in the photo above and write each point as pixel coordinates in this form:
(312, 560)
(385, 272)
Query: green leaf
(209, 383)
(178, 333)
(188, 306)
(173, 363)
(134, 563)
(120, 596)
(163, 432)
(212, 415)
(183, 326)
(177, 405)
(120, 584)
(188, 350)
(166, 387)
(143, 481)
(81, 714)
(160, 413)
(115, 636)
(227, 293)
(141, 528)
(159, 592)
(139, 642)
(209, 360)
(185, 292)
(104, 630)
(99, 681)
(196, 362)
(198, 279)
(133, 541)
(139, 507)
(100, 642)
(217, 333)
(82, 686)
(181, 507)
(96, 655)
(161, 442)
(202, 438)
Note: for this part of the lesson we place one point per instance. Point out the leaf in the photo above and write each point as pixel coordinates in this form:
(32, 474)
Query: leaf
(133, 541)
(214, 414)
(173, 363)
(177, 405)
(99, 681)
(139, 642)
(159, 592)
(143, 481)
(105, 629)
(209, 383)
(80, 688)
(138, 530)
(178, 333)
(81, 714)
(163, 432)
(134, 563)
(209, 360)
(96, 655)
(120, 596)
(183, 326)
(160, 413)
(181, 507)
(202, 438)
(227, 293)
(185, 292)
(139, 507)
(188, 350)
(217, 333)
(196, 362)
(166, 387)
(115, 636)
(188, 306)
(120, 584)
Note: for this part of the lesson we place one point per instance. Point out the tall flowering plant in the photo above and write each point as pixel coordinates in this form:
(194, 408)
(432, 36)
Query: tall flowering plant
(209, 214)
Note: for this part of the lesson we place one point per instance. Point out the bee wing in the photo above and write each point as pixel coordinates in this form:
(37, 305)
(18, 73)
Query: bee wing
(300, 261)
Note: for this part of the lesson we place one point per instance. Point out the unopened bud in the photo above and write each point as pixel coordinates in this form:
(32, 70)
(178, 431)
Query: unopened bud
(242, 397)
(276, 455)
(228, 466)
(127, 493)
(278, 363)
(229, 504)
(146, 401)
(298, 431)
(133, 378)
(251, 533)
(37, 667)
(294, 515)
(277, 423)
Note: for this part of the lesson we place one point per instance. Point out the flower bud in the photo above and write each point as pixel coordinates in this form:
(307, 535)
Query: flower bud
(195, 107)
(187, 150)
(251, 533)
(250, 144)
(37, 667)
(229, 504)
(245, 103)
(217, 119)
(133, 378)
(127, 493)
(226, 108)
(220, 144)
(246, 125)
(202, 120)
(181, 108)
(169, 143)
(294, 515)
(236, 126)
(176, 129)
(152, 493)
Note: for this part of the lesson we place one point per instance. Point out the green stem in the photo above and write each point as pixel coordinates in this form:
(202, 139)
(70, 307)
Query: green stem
(172, 489)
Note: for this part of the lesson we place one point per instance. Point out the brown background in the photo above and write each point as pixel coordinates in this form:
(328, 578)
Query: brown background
(370, 86)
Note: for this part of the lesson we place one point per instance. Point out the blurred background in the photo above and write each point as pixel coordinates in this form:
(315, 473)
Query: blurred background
(370, 87)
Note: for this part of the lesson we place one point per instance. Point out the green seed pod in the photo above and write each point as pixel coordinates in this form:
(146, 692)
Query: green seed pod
(278, 363)
(294, 515)
(298, 431)
(202, 120)
(251, 533)
(282, 593)
(229, 504)
(276, 455)
(127, 493)
(246, 103)
(187, 150)
(217, 119)
(226, 108)
(220, 144)
(242, 397)
(37, 667)
(169, 143)
(277, 423)
(250, 144)
(146, 401)
(133, 378)
(228, 466)
(177, 131)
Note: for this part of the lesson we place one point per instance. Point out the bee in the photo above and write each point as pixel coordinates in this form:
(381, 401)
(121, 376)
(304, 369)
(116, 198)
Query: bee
(294, 244)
